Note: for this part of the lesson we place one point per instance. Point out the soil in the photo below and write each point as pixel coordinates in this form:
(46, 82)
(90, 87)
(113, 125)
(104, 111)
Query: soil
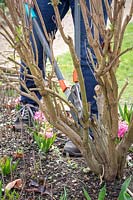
(52, 172)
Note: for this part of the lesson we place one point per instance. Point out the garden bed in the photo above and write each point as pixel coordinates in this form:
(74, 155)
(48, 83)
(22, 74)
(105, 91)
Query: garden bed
(53, 174)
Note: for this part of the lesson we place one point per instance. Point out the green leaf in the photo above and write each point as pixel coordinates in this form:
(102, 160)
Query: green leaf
(130, 113)
(123, 193)
(41, 146)
(19, 33)
(64, 195)
(7, 166)
(54, 137)
(14, 165)
(86, 194)
(0, 189)
(121, 112)
(102, 193)
(43, 143)
(125, 112)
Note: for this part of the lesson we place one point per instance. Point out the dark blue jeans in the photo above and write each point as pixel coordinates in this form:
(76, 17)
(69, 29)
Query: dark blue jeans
(86, 65)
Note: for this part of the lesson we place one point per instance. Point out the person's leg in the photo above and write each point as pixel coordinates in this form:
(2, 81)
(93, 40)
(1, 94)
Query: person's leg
(28, 107)
(86, 65)
(87, 70)
(48, 15)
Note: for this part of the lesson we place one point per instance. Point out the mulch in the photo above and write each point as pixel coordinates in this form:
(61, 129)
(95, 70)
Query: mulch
(49, 176)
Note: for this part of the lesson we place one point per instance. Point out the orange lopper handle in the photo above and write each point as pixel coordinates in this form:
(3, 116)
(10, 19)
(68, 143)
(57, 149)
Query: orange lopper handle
(75, 76)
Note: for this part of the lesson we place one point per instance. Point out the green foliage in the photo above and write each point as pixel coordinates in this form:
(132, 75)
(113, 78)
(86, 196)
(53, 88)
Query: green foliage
(18, 107)
(44, 143)
(123, 193)
(0, 189)
(101, 195)
(9, 195)
(86, 194)
(66, 65)
(122, 196)
(126, 113)
(2, 1)
(2, 4)
(123, 72)
(126, 61)
(42, 132)
(10, 92)
(13, 195)
(131, 149)
(7, 165)
(72, 164)
(19, 33)
(64, 195)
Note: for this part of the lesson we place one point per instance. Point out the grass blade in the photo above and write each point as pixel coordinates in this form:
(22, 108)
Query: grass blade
(86, 194)
(102, 193)
(123, 193)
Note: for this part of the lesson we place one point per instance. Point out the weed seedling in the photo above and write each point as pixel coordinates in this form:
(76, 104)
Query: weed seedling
(7, 165)
(64, 195)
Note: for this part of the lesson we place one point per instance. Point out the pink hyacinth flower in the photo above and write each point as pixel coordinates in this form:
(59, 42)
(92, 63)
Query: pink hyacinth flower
(49, 134)
(123, 128)
(39, 116)
(17, 101)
